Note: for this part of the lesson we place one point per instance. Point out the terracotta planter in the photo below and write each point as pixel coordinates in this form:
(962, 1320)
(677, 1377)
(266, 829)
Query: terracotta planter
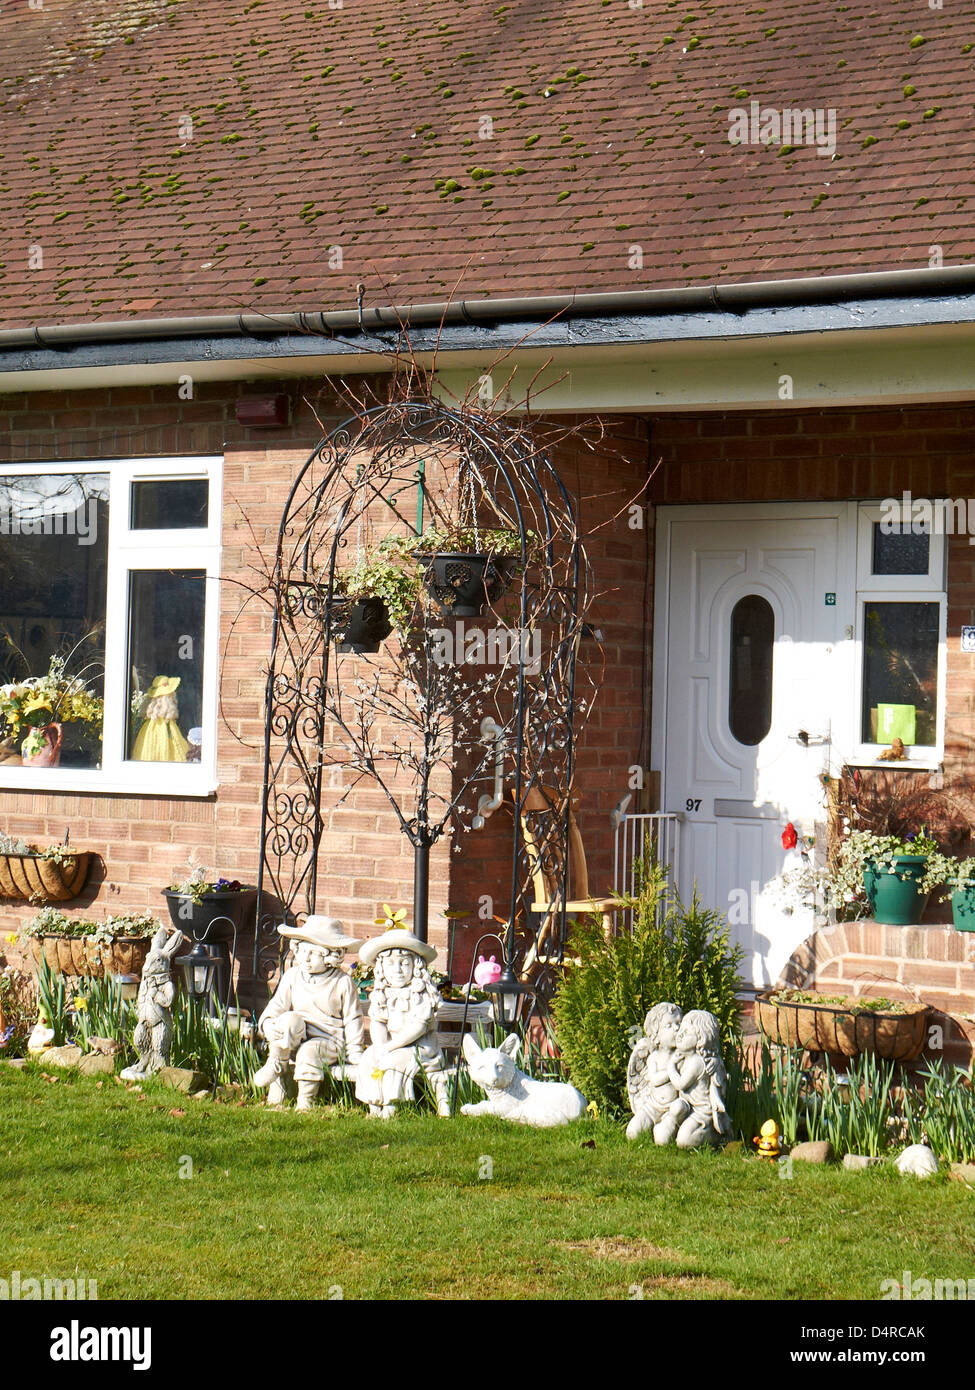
(899, 1037)
(81, 956)
(30, 878)
(50, 754)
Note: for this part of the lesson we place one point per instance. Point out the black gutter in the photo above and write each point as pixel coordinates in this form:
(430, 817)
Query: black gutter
(734, 298)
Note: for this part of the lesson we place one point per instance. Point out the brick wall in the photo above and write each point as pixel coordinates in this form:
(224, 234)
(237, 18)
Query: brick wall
(142, 842)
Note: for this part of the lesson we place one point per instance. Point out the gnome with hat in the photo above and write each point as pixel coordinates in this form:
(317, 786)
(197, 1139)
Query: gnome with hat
(315, 1015)
(402, 1020)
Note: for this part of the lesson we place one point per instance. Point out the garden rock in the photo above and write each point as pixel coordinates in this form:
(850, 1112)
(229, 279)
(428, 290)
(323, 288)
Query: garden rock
(962, 1172)
(858, 1161)
(67, 1056)
(182, 1079)
(814, 1151)
(107, 1047)
(917, 1160)
(97, 1064)
(18, 1062)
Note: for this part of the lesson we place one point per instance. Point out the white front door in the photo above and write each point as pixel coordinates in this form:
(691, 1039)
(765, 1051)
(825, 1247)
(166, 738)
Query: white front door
(751, 695)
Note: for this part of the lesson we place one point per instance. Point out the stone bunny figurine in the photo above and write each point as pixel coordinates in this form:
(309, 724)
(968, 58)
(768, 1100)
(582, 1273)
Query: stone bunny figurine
(153, 1034)
(511, 1095)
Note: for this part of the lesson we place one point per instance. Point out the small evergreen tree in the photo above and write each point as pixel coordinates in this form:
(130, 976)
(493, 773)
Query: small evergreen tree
(675, 953)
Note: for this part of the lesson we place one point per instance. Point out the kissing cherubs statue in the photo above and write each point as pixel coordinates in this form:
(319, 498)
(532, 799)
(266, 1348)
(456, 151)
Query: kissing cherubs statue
(698, 1116)
(153, 1036)
(649, 1086)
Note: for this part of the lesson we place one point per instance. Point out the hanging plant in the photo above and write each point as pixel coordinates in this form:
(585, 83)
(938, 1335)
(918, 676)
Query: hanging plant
(463, 567)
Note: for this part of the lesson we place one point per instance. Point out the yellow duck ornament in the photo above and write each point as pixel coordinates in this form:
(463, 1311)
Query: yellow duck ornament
(767, 1140)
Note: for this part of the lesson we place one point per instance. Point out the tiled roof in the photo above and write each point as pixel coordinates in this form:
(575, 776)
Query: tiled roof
(171, 157)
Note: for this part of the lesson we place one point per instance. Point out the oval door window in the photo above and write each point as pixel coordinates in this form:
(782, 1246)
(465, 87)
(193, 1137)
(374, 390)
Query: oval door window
(750, 685)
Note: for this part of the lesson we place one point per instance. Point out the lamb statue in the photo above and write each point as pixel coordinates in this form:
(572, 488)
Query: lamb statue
(511, 1095)
(153, 1034)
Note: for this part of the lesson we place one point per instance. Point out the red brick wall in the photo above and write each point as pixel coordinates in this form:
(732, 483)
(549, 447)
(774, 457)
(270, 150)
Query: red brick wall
(142, 842)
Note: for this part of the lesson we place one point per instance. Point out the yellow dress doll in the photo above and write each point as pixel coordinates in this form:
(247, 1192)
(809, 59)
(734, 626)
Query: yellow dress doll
(160, 740)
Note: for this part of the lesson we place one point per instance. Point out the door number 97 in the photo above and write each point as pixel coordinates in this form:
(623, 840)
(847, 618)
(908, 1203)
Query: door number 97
(692, 804)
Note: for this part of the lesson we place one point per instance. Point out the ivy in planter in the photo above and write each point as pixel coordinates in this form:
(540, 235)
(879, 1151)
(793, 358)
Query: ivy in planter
(462, 567)
(870, 866)
(79, 946)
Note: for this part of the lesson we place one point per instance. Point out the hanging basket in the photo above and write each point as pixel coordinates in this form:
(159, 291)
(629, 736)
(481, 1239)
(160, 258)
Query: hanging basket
(359, 624)
(825, 1027)
(463, 583)
(84, 957)
(30, 878)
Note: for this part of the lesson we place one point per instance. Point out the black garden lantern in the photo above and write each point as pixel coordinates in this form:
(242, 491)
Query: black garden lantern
(199, 970)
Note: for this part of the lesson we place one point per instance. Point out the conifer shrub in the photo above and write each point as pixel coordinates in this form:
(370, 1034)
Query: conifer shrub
(682, 954)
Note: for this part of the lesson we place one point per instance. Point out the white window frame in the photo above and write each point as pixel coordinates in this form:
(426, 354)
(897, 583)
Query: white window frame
(135, 550)
(899, 588)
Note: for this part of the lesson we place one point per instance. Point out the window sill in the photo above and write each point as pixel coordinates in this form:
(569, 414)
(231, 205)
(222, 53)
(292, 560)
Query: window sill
(161, 782)
(925, 764)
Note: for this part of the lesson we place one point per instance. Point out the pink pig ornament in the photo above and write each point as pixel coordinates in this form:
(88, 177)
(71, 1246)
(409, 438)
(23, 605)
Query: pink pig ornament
(486, 972)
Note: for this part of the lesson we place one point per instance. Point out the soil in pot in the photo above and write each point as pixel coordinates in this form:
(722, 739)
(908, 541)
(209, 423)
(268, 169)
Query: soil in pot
(894, 896)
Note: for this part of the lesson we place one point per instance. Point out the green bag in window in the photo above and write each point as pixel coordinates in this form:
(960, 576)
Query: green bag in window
(896, 721)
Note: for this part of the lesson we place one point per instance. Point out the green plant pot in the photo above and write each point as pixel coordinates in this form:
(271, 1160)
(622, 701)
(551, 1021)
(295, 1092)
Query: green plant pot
(894, 897)
(963, 908)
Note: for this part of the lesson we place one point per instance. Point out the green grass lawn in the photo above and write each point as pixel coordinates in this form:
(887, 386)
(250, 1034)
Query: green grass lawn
(286, 1205)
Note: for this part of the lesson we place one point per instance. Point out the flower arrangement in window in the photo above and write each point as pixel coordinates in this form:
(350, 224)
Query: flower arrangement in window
(33, 712)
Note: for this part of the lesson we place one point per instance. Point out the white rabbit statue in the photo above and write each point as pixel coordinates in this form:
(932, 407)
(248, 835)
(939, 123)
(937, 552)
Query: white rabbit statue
(511, 1095)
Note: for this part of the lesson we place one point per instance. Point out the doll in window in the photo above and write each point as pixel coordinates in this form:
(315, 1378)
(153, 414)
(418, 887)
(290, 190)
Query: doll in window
(160, 739)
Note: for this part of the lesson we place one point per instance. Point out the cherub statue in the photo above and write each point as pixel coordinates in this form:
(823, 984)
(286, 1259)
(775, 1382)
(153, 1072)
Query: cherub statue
(153, 1034)
(698, 1115)
(402, 1013)
(315, 1015)
(649, 1087)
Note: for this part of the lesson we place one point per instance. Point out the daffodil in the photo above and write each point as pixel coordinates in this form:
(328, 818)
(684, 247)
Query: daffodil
(10, 938)
(80, 1002)
(392, 919)
(593, 1109)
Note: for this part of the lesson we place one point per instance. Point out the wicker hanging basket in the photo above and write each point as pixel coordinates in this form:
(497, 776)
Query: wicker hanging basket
(29, 878)
(83, 956)
(823, 1027)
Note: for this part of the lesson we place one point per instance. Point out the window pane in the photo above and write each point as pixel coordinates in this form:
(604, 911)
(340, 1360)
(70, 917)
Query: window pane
(53, 564)
(750, 686)
(165, 695)
(171, 504)
(900, 673)
(900, 551)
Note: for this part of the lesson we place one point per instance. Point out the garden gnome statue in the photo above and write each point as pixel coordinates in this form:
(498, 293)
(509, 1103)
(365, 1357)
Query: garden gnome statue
(154, 1030)
(402, 1013)
(698, 1115)
(315, 1015)
(648, 1084)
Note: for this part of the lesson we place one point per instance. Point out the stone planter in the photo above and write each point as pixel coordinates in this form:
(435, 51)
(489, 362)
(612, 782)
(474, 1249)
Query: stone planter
(29, 878)
(822, 1027)
(894, 896)
(82, 956)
